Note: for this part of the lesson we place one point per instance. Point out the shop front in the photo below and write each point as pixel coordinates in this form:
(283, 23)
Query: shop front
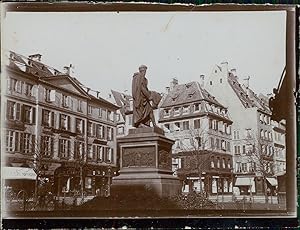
(87, 181)
(246, 185)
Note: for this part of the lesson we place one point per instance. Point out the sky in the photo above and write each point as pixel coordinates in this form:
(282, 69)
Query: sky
(106, 48)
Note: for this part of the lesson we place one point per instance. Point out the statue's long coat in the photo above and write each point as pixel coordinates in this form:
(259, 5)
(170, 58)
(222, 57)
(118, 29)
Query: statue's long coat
(141, 100)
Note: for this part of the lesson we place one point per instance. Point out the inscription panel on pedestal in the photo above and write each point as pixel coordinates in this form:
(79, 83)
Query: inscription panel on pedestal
(165, 159)
(143, 156)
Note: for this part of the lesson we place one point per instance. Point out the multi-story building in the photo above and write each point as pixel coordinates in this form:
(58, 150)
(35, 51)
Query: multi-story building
(279, 147)
(57, 128)
(253, 146)
(201, 129)
(125, 103)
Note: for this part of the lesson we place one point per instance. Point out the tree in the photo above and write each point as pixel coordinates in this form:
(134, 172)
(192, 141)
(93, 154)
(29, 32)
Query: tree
(197, 152)
(260, 156)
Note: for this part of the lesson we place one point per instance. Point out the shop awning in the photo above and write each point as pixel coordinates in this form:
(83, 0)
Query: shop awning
(244, 181)
(18, 173)
(272, 181)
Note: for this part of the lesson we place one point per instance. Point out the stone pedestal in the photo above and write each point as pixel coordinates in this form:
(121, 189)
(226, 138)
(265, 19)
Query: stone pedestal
(146, 162)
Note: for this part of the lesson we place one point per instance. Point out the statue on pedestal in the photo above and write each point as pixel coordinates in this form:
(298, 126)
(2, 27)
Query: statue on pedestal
(144, 100)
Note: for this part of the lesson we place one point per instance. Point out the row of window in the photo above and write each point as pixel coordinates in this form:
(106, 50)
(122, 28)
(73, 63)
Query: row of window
(95, 152)
(98, 131)
(278, 136)
(184, 125)
(217, 162)
(221, 126)
(182, 110)
(18, 112)
(247, 133)
(219, 144)
(244, 149)
(20, 142)
(264, 119)
(26, 143)
(266, 135)
(93, 129)
(68, 102)
(21, 87)
(245, 167)
(176, 111)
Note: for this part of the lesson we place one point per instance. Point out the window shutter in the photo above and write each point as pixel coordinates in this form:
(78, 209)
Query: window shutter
(83, 127)
(52, 145)
(103, 132)
(94, 131)
(34, 91)
(59, 147)
(52, 95)
(42, 152)
(33, 146)
(104, 153)
(69, 101)
(112, 155)
(68, 123)
(33, 115)
(17, 136)
(52, 115)
(94, 151)
(23, 113)
(68, 148)
(21, 142)
(18, 111)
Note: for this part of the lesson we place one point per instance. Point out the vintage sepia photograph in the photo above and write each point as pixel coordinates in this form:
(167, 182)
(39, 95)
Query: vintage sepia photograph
(148, 114)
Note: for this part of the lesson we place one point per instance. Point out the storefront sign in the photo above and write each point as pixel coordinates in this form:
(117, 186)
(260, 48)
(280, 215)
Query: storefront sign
(15, 173)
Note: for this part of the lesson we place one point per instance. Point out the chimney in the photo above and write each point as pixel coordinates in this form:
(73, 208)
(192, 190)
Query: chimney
(88, 90)
(98, 93)
(67, 70)
(131, 104)
(233, 71)
(202, 80)
(35, 57)
(224, 67)
(246, 82)
(173, 83)
(167, 89)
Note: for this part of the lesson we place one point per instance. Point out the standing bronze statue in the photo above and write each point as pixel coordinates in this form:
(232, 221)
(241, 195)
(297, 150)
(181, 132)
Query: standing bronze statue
(144, 101)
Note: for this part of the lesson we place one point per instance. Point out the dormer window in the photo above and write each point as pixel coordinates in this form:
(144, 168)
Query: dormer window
(166, 112)
(186, 109)
(176, 111)
(174, 97)
(188, 85)
(196, 107)
(190, 95)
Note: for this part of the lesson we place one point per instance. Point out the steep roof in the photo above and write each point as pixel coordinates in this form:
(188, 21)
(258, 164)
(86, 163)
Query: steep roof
(31, 66)
(49, 74)
(247, 96)
(240, 92)
(103, 101)
(187, 93)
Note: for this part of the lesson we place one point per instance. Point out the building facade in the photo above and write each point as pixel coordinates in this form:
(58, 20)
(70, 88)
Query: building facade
(253, 141)
(57, 128)
(201, 129)
(125, 103)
